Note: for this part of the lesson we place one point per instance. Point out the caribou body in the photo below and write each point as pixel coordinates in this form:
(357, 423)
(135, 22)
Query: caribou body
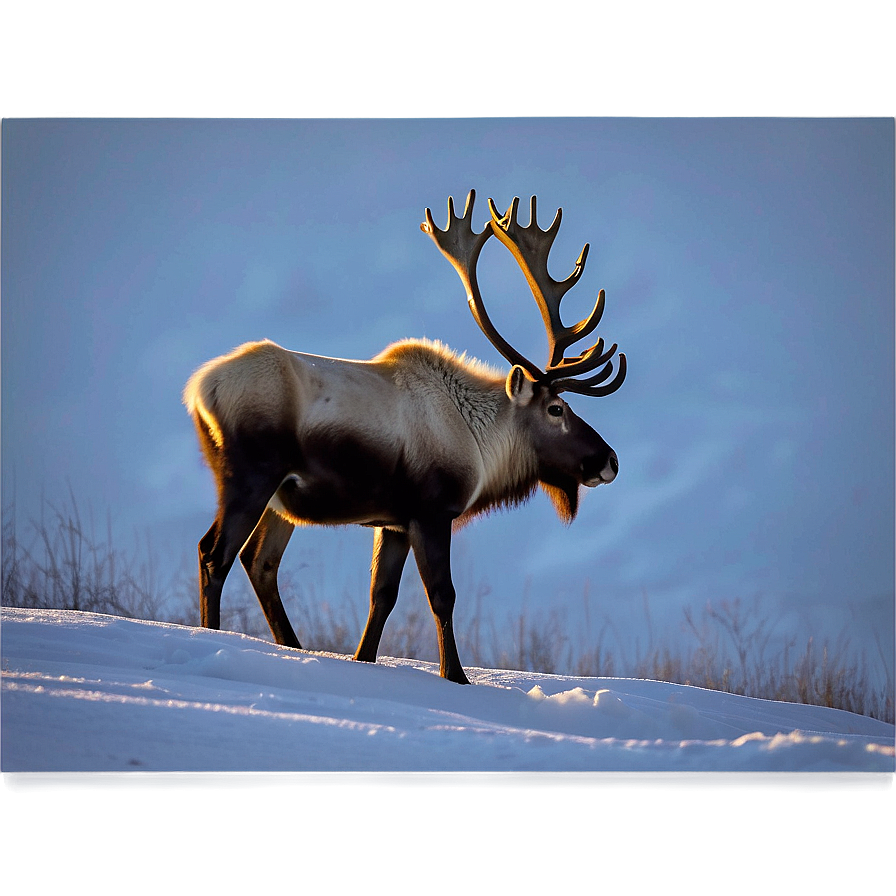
(413, 443)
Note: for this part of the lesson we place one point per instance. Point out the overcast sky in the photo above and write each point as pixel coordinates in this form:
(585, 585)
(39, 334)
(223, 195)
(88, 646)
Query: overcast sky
(748, 264)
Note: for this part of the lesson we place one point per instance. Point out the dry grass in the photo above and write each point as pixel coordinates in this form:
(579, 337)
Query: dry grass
(67, 565)
(726, 646)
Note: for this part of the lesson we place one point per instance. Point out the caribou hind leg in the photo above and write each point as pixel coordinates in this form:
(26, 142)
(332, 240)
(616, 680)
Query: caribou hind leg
(218, 550)
(241, 504)
(431, 541)
(261, 557)
(390, 550)
(210, 581)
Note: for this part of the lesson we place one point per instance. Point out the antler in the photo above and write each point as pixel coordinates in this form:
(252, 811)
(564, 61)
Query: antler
(530, 246)
(461, 246)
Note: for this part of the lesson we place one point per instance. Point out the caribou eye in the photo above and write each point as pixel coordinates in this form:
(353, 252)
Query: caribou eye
(555, 410)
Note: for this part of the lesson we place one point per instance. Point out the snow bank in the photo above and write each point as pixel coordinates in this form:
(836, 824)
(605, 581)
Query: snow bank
(85, 692)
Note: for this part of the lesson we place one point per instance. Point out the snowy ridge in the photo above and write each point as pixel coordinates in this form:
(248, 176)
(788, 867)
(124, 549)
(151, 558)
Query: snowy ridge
(83, 691)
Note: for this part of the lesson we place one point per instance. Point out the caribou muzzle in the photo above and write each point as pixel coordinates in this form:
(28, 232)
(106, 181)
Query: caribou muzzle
(600, 469)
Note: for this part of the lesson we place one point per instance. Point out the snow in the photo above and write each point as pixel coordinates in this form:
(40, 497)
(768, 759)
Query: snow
(88, 692)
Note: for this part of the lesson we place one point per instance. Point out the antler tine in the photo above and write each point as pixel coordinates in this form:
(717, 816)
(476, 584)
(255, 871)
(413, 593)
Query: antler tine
(592, 386)
(531, 246)
(461, 245)
(587, 360)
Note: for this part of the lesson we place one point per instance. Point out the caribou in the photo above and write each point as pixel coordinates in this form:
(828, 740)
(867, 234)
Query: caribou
(414, 443)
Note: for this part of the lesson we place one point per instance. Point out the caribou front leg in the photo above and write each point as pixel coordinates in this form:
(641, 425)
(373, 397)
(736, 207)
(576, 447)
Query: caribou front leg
(431, 542)
(390, 550)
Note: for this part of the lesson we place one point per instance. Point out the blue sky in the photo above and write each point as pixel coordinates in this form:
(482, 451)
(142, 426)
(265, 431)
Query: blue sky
(748, 266)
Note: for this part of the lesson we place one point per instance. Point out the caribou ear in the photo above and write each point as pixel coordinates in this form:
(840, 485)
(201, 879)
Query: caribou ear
(520, 386)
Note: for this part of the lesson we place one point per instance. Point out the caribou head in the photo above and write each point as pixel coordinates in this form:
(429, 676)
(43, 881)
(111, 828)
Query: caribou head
(578, 455)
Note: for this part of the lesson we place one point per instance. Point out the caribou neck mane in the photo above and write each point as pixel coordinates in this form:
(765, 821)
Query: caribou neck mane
(478, 393)
(474, 388)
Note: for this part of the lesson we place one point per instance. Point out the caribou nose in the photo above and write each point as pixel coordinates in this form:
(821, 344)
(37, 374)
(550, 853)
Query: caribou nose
(593, 475)
(611, 468)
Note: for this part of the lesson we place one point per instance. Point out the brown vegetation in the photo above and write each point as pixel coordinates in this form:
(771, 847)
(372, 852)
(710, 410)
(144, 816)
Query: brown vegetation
(726, 646)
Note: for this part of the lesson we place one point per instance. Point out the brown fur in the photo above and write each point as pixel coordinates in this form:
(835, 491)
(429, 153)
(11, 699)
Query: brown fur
(414, 442)
(443, 404)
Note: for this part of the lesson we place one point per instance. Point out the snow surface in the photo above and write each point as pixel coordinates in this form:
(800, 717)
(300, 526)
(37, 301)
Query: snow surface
(88, 692)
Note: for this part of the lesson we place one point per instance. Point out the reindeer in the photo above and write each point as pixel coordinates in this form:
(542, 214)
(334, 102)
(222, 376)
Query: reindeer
(413, 443)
